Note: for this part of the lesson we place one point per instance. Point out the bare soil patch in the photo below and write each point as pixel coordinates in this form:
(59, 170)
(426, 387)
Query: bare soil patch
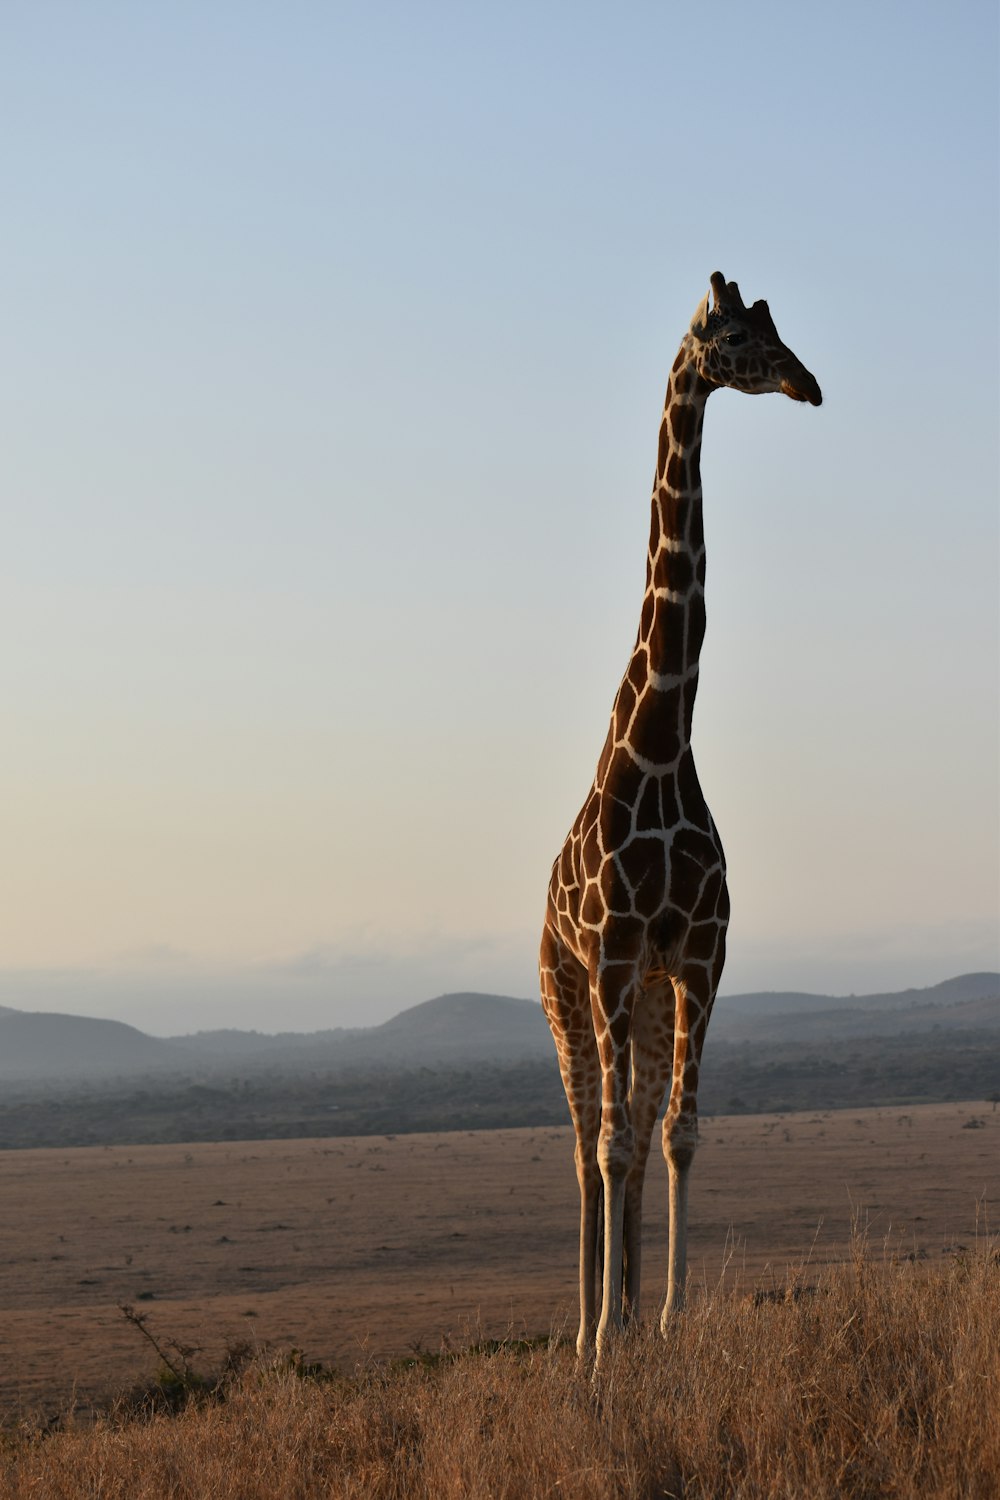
(354, 1248)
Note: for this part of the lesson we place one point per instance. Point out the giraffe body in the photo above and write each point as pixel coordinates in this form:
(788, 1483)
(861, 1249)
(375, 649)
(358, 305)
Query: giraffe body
(635, 929)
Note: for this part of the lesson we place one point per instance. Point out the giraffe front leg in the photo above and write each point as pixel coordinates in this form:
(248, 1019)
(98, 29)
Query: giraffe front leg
(612, 1002)
(679, 1153)
(566, 1002)
(652, 1057)
(589, 1177)
(614, 1153)
(680, 1128)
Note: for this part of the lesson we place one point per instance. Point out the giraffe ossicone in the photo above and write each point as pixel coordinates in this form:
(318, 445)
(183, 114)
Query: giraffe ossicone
(635, 928)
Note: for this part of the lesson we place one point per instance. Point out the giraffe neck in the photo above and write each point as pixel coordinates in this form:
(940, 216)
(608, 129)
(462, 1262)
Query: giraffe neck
(655, 703)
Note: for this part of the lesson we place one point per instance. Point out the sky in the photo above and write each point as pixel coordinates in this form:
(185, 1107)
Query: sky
(337, 336)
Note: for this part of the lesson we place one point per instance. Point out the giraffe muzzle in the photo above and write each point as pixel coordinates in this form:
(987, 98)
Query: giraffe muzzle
(802, 387)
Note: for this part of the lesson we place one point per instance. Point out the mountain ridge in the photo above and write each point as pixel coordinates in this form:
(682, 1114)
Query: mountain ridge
(462, 1027)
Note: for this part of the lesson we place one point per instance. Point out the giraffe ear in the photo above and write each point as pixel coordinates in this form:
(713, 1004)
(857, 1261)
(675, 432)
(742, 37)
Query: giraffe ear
(699, 323)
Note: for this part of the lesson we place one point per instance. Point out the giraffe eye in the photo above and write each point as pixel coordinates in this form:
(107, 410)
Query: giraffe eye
(732, 339)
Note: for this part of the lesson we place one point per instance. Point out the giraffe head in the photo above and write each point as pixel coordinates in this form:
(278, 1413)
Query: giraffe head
(739, 346)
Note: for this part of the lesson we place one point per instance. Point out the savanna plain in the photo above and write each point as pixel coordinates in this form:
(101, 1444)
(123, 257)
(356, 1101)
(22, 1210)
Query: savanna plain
(394, 1316)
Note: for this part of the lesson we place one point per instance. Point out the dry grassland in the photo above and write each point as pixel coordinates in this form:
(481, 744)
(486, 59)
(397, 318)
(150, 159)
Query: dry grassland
(883, 1381)
(352, 1249)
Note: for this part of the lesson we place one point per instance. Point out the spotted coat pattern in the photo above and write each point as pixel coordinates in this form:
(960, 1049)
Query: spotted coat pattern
(635, 928)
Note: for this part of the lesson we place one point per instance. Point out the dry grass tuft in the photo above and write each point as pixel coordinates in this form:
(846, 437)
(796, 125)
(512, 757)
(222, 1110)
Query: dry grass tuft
(884, 1381)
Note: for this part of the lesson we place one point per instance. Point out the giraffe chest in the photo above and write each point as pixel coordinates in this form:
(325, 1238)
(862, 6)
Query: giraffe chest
(643, 859)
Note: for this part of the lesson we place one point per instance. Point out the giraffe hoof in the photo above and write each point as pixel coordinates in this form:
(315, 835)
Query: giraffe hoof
(670, 1316)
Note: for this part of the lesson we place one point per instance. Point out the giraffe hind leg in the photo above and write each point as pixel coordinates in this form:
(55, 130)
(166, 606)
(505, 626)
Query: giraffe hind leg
(612, 999)
(566, 1002)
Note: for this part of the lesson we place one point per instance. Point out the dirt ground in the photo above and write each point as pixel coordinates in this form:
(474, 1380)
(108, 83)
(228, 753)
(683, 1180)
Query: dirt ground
(356, 1248)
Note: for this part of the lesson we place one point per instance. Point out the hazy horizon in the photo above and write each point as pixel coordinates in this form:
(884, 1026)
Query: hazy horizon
(340, 337)
(295, 996)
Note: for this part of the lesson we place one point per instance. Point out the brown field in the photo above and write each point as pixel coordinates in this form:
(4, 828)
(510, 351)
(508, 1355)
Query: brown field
(353, 1248)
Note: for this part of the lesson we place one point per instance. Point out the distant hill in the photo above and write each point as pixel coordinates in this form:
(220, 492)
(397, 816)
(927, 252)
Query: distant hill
(451, 1029)
(782, 1002)
(231, 1044)
(443, 1029)
(42, 1044)
(970, 1001)
(464, 1029)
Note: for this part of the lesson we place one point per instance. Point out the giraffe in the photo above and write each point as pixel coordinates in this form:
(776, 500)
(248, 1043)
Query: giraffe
(635, 928)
